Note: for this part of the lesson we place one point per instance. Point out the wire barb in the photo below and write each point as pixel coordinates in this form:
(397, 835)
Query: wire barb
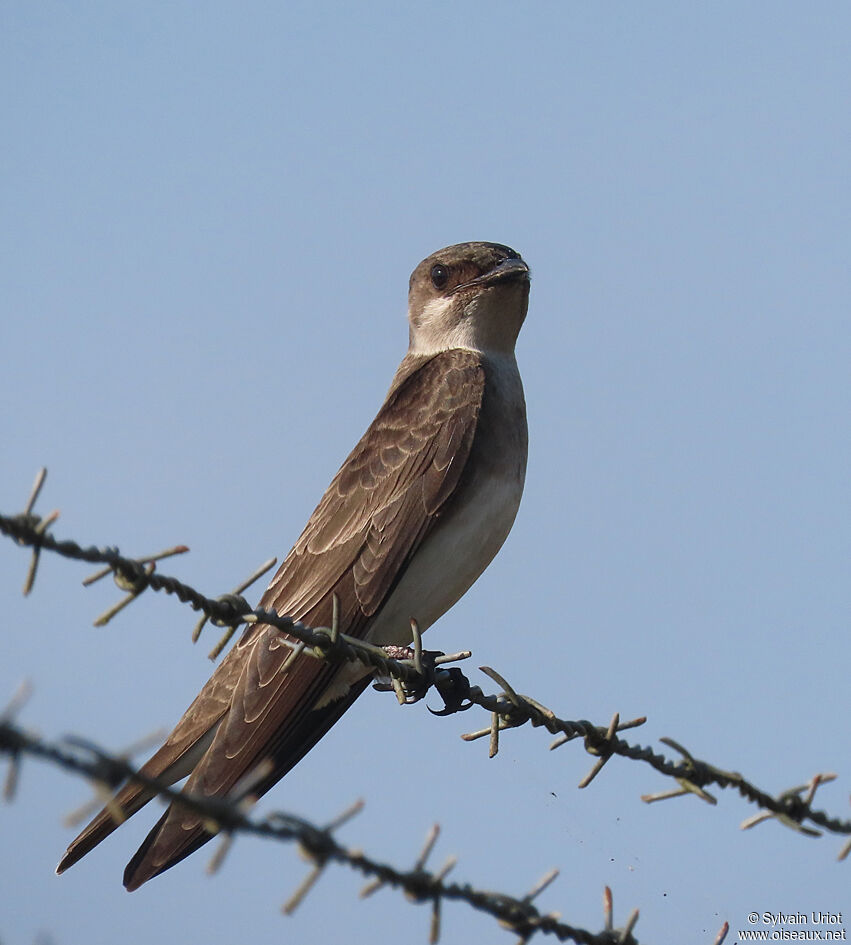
(625, 934)
(687, 785)
(546, 880)
(796, 807)
(604, 752)
(722, 934)
(238, 603)
(168, 553)
(418, 646)
(134, 586)
(19, 699)
(319, 855)
(40, 527)
(102, 796)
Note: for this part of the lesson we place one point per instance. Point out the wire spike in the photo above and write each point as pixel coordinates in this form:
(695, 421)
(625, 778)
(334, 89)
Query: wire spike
(236, 592)
(431, 839)
(604, 751)
(19, 699)
(495, 676)
(245, 785)
(662, 795)
(40, 529)
(351, 811)
(304, 887)
(371, 887)
(10, 783)
(677, 747)
(256, 575)
(626, 932)
(452, 657)
(168, 553)
(722, 934)
(399, 689)
(199, 626)
(335, 619)
(214, 864)
(493, 747)
(608, 909)
(815, 784)
(116, 609)
(297, 650)
(418, 646)
(444, 870)
(223, 642)
(547, 713)
(434, 925)
(597, 767)
(546, 880)
(40, 477)
(691, 788)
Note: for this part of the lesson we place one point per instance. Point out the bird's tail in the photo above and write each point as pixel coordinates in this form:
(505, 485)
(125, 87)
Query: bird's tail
(131, 798)
(180, 831)
(170, 763)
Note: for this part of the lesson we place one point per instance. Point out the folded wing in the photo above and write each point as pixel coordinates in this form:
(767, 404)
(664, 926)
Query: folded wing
(267, 701)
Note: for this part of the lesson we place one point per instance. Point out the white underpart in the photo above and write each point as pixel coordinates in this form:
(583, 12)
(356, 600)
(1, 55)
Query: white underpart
(441, 572)
(448, 562)
(481, 329)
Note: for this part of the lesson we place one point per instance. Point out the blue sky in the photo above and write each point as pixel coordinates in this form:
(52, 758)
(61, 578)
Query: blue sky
(209, 215)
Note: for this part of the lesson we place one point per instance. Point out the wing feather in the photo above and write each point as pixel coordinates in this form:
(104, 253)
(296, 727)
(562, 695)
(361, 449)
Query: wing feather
(382, 503)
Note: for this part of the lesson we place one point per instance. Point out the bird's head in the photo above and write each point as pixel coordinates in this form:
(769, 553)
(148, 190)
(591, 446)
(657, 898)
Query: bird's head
(471, 295)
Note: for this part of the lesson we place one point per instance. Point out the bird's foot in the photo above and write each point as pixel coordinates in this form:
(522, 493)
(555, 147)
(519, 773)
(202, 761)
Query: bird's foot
(408, 690)
(451, 684)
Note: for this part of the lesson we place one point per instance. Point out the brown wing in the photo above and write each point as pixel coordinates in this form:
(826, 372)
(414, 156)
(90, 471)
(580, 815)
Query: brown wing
(387, 493)
(373, 516)
(356, 545)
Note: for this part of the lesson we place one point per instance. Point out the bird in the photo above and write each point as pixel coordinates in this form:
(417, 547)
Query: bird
(412, 518)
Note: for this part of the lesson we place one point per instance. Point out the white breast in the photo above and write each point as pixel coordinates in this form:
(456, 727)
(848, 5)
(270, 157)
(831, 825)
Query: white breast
(465, 542)
(449, 561)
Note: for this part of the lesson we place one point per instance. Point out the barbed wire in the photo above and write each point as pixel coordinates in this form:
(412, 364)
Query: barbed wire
(317, 843)
(413, 673)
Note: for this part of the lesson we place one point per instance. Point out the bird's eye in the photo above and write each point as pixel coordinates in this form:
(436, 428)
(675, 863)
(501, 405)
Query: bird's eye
(439, 276)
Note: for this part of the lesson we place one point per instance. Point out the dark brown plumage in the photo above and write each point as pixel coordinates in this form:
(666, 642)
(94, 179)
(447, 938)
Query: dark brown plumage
(410, 473)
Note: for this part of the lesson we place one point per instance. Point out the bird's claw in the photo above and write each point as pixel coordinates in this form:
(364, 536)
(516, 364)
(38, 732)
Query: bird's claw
(451, 684)
(413, 690)
(454, 688)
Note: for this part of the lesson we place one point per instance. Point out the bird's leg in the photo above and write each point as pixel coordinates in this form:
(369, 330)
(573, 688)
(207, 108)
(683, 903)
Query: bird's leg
(399, 652)
(413, 690)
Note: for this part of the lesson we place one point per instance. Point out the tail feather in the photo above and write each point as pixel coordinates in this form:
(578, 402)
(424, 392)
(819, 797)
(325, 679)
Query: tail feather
(180, 832)
(150, 859)
(173, 761)
(130, 799)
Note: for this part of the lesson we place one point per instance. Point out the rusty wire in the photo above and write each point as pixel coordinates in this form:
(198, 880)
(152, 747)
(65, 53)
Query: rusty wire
(317, 843)
(412, 676)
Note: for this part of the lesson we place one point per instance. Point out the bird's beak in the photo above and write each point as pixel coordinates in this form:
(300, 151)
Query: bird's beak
(509, 270)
